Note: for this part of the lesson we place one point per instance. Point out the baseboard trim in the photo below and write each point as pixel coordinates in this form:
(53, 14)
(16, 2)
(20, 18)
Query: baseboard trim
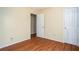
(61, 42)
(14, 44)
(18, 43)
(71, 44)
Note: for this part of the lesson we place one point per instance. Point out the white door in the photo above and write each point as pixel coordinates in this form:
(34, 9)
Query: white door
(70, 25)
(40, 25)
(78, 25)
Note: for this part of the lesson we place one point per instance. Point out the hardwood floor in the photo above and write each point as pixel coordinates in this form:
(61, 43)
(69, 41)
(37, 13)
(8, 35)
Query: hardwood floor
(40, 44)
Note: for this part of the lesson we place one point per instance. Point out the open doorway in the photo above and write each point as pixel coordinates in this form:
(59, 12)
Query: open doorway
(33, 25)
(37, 25)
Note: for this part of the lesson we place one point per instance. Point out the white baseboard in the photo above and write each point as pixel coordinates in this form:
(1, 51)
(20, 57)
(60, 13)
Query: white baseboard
(12, 43)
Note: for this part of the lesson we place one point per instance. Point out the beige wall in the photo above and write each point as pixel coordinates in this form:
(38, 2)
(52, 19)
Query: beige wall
(54, 23)
(15, 25)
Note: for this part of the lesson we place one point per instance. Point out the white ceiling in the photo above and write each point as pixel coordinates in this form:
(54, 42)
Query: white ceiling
(38, 8)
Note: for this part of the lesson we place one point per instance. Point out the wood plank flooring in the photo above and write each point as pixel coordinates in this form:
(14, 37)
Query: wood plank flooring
(40, 44)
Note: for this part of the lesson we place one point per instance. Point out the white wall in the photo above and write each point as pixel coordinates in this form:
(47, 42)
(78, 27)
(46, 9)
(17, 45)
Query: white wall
(15, 25)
